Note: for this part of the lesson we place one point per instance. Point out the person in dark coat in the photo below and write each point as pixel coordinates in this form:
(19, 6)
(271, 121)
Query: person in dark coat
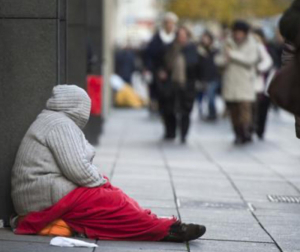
(155, 51)
(290, 30)
(264, 70)
(177, 90)
(125, 63)
(208, 74)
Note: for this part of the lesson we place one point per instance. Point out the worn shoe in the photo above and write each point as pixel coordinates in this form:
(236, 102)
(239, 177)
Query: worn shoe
(183, 140)
(169, 137)
(181, 232)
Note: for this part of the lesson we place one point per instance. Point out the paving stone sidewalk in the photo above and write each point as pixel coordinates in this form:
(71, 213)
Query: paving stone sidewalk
(208, 181)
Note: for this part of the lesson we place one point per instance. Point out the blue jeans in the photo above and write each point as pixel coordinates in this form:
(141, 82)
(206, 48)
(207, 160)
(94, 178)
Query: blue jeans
(211, 93)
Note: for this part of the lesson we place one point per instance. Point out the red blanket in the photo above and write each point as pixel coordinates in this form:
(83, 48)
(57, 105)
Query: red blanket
(104, 212)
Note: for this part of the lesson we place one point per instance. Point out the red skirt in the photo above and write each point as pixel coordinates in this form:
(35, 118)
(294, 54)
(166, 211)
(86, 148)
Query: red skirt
(105, 213)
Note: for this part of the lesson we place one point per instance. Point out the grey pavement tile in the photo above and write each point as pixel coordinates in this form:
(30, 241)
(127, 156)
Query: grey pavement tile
(187, 177)
(282, 221)
(258, 191)
(27, 246)
(287, 170)
(8, 235)
(185, 159)
(198, 168)
(225, 246)
(185, 163)
(278, 159)
(207, 188)
(139, 246)
(278, 207)
(147, 155)
(138, 178)
(226, 224)
(140, 169)
(146, 188)
(209, 198)
(141, 193)
(247, 169)
(208, 195)
(164, 212)
(284, 229)
(140, 162)
(257, 178)
(217, 184)
(142, 181)
(233, 160)
(148, 203)
(142, 175)
(105, 158)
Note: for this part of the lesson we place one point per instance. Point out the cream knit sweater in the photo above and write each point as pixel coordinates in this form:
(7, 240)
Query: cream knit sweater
(54, 157)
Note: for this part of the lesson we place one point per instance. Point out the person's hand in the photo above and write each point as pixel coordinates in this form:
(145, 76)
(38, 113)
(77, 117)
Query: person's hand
(162, 75)
(227, 54)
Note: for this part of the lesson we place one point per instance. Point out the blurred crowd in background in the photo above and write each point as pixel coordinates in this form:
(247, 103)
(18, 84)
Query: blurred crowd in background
(220, 69)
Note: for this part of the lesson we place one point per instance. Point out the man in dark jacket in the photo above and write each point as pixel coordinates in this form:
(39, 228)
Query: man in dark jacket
(177, 91)
(125, 63)
(155, 51)
(290, 30)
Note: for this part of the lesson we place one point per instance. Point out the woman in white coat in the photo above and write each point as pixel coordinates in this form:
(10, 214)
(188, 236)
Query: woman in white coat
(238, 60)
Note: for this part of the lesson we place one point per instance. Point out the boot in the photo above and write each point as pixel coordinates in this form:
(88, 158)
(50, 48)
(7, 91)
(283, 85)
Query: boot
(238, 135)
(181, 232)
(246, 134)
(184, 127)
(170, 127)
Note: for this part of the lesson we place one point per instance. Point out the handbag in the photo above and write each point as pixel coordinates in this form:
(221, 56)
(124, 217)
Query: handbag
(284, 89)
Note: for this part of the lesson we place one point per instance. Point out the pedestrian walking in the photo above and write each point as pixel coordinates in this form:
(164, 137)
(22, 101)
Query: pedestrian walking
(208, 75)
(54, 179)
(263, 70)
(177, 85)
(155, 51)
(125, 63)
(238, 60)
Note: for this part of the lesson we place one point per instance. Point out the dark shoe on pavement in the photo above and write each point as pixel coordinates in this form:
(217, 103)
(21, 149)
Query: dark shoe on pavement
(239, 140)
(247, 139)
(242, 141)
(169, 137)
(181, 232)
(260, 136)
(183, 141)
(211, 118)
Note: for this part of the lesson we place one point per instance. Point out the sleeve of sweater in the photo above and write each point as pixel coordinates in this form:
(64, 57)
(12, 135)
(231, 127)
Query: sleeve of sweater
(67, 145)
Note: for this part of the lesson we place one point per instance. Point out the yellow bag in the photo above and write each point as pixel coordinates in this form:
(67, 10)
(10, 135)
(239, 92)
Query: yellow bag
(126, 97)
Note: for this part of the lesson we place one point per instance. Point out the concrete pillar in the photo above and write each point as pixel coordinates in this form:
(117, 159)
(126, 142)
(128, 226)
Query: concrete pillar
(76, 45)
(94, 10)
(109, 7)
(32, 49)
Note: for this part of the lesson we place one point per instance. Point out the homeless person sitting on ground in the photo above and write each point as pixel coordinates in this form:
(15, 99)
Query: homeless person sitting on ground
(54, 182)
